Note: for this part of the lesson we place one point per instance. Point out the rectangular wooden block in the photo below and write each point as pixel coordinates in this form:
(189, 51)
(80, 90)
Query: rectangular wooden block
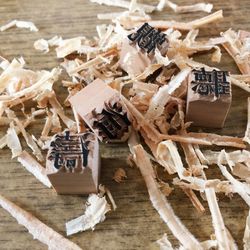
(73, 163)
(209, 98)
(100, 107)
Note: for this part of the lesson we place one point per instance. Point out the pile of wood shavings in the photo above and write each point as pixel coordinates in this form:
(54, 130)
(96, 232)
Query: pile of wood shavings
(155, 100)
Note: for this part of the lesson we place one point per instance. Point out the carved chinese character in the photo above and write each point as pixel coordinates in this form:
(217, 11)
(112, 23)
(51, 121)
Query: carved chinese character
(69, 151)
(112, 123)
(73, 163)
(148, 38)
(208, 98)
(210, 82)
(100, 107)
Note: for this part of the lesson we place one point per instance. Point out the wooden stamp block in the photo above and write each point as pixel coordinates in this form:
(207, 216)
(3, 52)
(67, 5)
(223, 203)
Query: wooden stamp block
(73, 164)
(100, 107)
(137, 52)
(209, 98)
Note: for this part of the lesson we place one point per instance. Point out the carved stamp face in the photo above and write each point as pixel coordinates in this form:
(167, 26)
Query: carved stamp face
(112, 123)
(69, 151)
(210, 82)
(148, 38)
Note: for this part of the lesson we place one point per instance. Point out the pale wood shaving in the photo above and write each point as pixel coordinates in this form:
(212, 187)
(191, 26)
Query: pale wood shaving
(13, 141)
(218, 223)
(247, 133)
(36, 228)
(160, 202)
(96, 208)
(19, 24)
(124, 4)
(239, 187)
(218, 15)
(184, 9)
(34, 168)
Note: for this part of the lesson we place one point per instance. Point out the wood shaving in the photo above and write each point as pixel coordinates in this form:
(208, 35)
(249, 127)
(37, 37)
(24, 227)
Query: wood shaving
(104, 190)
(160, 203)
(235, 47)
(19, 24)
(119, 175)
(13, 141)
(36, 228)
(239, 187)
(44, 45)
(34, 168)
(247, 133)
(96, 208)
(155, 99)
(124, 4)
(184, 9)
(218, 15)
(218, 223)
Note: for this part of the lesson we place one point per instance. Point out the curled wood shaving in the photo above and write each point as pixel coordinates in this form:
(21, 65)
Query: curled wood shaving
(13, 141)
(200, 185)
(235, 156)
(124, 4)
(218, 223)
(234, 47)
(247, 133)
(161, 98)
(38, 229)
(34, 167)
(68, 46)
(160, 202)
(60, 112)
(29, 140)
(43, 45)
(19, 24)
(200, 155)
(44, 82)
(146, 127)
(218, 15)
(119, 175)
(219, 140)
(26, 123)
(239, 187)
(192, 160)
(184, 9)
(96, 208)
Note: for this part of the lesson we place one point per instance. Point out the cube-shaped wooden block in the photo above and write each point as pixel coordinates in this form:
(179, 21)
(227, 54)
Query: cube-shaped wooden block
(101, 108)
(209, 98)
(73, 163)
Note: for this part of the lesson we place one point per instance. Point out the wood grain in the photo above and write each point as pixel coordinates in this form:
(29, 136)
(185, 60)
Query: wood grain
(135, 224)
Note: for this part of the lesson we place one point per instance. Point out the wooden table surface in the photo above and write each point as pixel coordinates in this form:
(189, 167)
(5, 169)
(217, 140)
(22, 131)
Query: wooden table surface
(135, 224)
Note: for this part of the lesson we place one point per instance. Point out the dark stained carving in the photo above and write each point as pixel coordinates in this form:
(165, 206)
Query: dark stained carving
(149, 38)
